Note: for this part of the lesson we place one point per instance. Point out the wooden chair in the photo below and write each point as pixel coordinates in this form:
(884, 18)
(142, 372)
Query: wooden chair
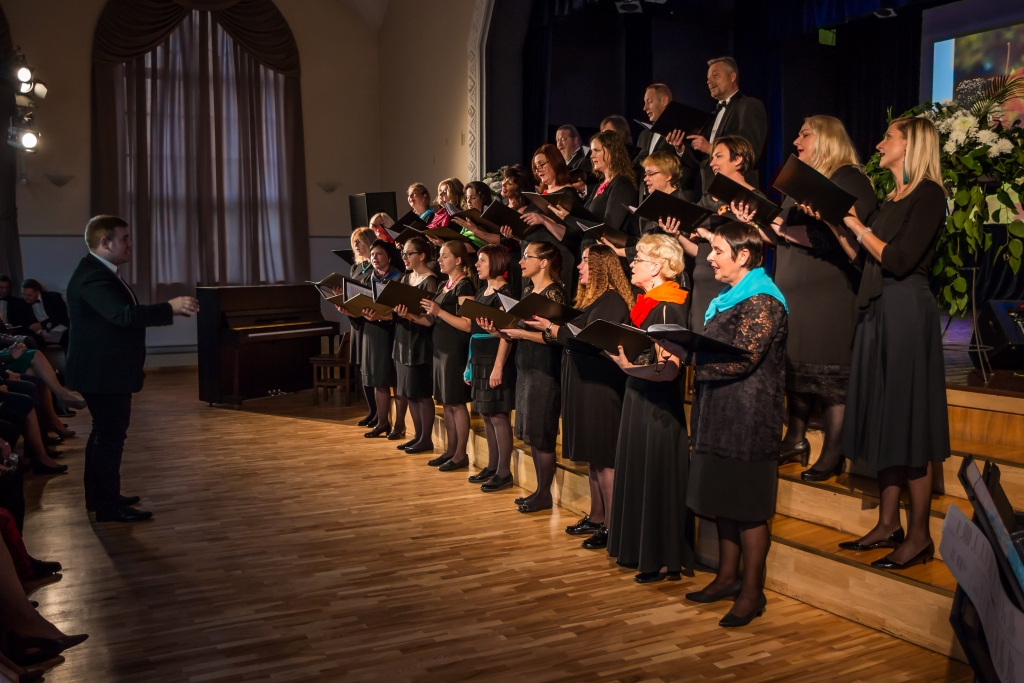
(325, 377)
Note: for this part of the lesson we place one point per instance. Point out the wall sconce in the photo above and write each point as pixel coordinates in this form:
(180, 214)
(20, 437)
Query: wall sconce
(59, 179)
(328, 186)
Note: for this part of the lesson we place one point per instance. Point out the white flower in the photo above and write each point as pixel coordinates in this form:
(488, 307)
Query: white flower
(964, 123)
(949, 147)
(987, 137)
(958, 137)
(1004, 146)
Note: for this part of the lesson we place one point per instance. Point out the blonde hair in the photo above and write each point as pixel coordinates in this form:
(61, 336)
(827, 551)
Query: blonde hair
(362, 234)
(664, 250)
(667, 164)
(832, 146)
(455, 188)
(922, 158)
(388, 220)
(604, 273)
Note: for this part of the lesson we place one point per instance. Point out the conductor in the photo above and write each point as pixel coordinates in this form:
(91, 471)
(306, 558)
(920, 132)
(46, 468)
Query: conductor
(106, 354)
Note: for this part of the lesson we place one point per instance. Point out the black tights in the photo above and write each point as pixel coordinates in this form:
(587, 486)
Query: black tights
(499, 443)
(800, 406)
(752, 540)
(422, 411)
(382, 396)
(371, 402)
(544, 468)
(918, 481)
(602, 482)
(456, 427)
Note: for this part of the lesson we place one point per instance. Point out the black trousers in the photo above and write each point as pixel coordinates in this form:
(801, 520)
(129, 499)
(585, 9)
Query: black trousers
(111, 414)
(12, 495)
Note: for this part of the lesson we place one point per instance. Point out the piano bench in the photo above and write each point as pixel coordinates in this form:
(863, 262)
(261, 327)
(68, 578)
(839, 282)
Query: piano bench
(324, 366)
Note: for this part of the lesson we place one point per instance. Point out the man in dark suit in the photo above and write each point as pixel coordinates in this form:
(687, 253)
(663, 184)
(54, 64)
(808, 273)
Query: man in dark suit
(45, 313)
(656, 98)
(735, 114)
(106, 354)
(575, 153)
(12, 308)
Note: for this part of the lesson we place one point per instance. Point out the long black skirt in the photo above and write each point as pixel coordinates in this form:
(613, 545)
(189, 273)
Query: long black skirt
(896, 407)
(650, 525)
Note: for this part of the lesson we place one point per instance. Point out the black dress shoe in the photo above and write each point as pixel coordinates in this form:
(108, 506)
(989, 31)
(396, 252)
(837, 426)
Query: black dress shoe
(379, 430)
(497, 483)
(583, 527)
(39, 468)
(921, 558)
(403, 446)
(730, 591)
(130, 500)
(439, 460)
(52, 440)
(41, 568)
(520, 500)
(367, 421)
(894, 540)
(422, 448)
(800, 452)
(452, 466)
(533, 506)
(653, 577)
(597, 541)
(823, 475)
(731, 620)
(123, 514)
(395, 435)
(480, 477)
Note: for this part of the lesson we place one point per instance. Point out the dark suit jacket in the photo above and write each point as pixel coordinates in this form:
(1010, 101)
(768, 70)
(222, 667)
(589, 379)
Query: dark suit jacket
(107, 344)
(19, 313)
(56, 310)
(580, 161)
(745, 117)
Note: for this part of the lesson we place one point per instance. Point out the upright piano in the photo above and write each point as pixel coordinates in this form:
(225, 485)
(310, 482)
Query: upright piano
(256, 341)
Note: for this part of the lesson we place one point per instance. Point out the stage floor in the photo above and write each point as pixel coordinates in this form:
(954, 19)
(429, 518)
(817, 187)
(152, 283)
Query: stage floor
(285, 547)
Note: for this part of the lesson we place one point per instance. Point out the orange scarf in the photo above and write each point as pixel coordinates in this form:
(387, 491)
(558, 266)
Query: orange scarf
(668, 292)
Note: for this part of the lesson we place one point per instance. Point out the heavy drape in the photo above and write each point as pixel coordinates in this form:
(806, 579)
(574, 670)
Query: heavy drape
(197, 141)
(10, 245)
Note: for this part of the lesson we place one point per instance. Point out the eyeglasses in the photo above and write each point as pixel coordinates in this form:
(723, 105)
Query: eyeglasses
(407, 254)
(648, 174)
(637, 259)
(526, 256)
(540, 165)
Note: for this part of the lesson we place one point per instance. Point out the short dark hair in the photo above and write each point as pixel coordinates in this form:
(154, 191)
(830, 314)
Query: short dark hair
(394, 258)
(32, 283)
(5, 278)
(423, 245)
(102, 227)
(729, 62)
(738, 146)
(482, 191)
(571, 128)
(740, 236)
(620, 125)
(661, 89)
(547, 251)
(497, 259)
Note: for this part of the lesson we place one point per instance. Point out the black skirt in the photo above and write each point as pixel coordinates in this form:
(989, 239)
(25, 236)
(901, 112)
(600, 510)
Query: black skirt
(378, 368)
(414, 381)
(896, 413)
(741, 490)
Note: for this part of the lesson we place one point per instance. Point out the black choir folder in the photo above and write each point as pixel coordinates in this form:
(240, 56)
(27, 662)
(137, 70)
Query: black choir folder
(395, 293)
(330, 282)
(661, 205)
(539, 305)
(690, 340)
(355, 296)
(544, 202)
(346, 255)
(446, 234)
(473, 309)
(679, 116)
(597, 231)
(727, 191)
(609, 336)
(497, 214)
(805, 185)
(409, 220)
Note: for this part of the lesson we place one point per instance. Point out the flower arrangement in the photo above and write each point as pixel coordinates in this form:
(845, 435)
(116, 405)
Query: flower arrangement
(983, 171)
(493, 180)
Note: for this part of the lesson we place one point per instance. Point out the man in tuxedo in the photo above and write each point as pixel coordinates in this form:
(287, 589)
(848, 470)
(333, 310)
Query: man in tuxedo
(12, 308)
(575, 153)
(735, 114)
(656, 98)
(106, 354)
(46, 313)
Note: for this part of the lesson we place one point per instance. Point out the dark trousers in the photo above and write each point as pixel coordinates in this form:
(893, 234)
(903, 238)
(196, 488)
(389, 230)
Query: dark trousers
(111, 414)
(12, 494)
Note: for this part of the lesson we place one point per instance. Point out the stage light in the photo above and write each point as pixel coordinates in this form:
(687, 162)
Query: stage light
(24, 74)
(628, 7)
(25, 88)
(886, 9)
(22, 139)
(39, 90)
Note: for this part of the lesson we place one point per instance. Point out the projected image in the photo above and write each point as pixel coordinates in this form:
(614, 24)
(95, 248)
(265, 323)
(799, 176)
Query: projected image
(963, 66)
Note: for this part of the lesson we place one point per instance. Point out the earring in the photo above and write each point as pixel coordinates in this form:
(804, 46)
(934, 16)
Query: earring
(906, 179)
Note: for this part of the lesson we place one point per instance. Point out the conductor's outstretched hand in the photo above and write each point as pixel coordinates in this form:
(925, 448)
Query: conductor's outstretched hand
(184, 306)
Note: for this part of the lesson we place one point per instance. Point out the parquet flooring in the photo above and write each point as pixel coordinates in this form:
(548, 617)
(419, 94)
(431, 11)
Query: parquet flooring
(286, 547)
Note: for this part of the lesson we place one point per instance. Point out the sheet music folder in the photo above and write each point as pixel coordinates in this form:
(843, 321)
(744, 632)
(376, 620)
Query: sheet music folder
(346, 255)
(539, 305)
(690, 340)
(807, 186)
(609, 336)
(661, 205)
(727, 191)
(395, 293)
(497, 215)
(447, 234)
(596, 231)
(473, 309)
(544, 202)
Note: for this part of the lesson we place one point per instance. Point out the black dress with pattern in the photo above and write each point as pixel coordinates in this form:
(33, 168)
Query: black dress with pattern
(650, 526)
(539, 383)
(488, 401)
(414, 353)
(451, 347)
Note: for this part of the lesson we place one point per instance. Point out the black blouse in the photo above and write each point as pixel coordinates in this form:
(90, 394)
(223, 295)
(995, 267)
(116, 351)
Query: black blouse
(412, 341)
(738, 406)
(486, 347)
(612, 205)
(445, 336)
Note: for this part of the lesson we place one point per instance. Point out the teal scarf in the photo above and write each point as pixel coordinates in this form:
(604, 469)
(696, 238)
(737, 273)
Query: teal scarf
(753, 283)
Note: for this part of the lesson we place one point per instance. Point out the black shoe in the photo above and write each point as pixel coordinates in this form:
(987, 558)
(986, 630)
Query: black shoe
(403, 446)
(480, 477)
(452, 466)
(921, 558)
(123, 514)
(17, 647)
(130, 500)
(39, 468)
(395, 435)
(52, 440)
(894, 540)
(532, 506)
(800, 452)
(367, 421)
(597, 541)
(41, 569)
(731, 620)
(650, 577)
(520, 500)
(823, 475)
(497, 483)
(379, 430)
(730, 591)
(422, 448)
(583, 527)
(439, 460)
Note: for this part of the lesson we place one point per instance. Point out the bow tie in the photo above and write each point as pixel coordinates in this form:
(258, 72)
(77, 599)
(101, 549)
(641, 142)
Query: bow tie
(721, 105)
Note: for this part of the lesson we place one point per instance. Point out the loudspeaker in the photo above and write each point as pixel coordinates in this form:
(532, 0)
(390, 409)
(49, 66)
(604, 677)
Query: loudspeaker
(363, 206)
(1001, 326)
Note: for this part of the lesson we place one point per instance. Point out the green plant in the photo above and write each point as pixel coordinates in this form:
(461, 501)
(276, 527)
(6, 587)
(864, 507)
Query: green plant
(983, 171)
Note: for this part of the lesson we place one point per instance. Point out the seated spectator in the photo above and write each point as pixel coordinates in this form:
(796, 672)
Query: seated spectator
(19, 410)
(16, 357)
(12, 308)
(45, 313)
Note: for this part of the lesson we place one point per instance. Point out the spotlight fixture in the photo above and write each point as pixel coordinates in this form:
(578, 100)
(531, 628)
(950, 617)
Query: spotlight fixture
(21, 133)
(886, 9)
(628, 7)
(39, 90)
(23, 140)
(25, 87)
(24, 74)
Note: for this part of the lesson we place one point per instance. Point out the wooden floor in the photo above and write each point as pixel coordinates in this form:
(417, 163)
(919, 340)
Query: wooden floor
(286, 547)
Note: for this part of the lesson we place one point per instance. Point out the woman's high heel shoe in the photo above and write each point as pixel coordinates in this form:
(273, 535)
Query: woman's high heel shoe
(379, 430)
(921, 558)
(730, 591)
(396, 434)
(800, 452)
(731, 620)
(368, 421)
(894, 540)
(40, 468)
(823, 475)
(28, 650)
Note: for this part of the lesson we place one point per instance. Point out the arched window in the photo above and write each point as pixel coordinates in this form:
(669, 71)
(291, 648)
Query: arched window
(197, 142)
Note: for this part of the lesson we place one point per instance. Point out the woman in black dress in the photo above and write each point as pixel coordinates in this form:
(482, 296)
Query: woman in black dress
(451, 349)
(737, 415)
(538, 374)
(593, 387)
(492, 377)
(896, 421)
(611, 199)
(414, 353)
(361, 269)
(650, 528)
(820, 285)
(378, 339)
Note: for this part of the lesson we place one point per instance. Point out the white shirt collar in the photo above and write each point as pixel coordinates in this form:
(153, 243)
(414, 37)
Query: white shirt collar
(108, 264)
